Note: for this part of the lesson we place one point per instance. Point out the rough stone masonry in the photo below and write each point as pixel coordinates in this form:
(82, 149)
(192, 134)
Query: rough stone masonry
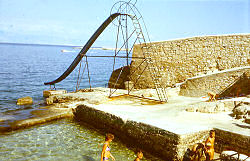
(185, 58)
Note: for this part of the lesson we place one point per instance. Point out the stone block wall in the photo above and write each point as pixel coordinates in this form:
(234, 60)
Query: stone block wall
(189, 57)
(148, 138)
(217, 83)
(159, 142)
(226, 140)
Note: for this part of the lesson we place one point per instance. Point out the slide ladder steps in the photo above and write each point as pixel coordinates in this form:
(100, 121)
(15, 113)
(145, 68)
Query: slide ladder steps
(148, 51)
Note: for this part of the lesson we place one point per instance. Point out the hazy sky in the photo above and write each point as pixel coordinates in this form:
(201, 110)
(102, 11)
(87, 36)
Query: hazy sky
(74, 21)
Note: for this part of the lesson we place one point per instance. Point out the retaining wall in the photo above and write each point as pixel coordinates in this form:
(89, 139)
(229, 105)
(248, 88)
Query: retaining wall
(159, 142)
(189, 57)
(226, 140)
(226, 81)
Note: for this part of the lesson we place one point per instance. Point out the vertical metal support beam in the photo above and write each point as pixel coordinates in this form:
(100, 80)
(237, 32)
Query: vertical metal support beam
(116, 52)
(88, 71)
(78, 77)
(127, 53)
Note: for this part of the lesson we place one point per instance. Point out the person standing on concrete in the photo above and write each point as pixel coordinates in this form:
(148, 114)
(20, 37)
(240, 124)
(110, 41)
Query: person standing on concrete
(106, 154)
(209, 145)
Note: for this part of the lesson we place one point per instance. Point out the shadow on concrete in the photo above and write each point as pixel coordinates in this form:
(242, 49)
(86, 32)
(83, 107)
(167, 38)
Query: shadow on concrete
(242, 126)
(240, 87)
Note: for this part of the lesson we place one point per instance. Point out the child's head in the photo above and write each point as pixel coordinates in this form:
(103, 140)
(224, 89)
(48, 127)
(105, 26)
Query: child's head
(109, 137)
(212, 133)
(139, 154)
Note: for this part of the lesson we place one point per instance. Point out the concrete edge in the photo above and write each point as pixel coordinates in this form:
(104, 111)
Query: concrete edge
(21, 124)
(154, 140)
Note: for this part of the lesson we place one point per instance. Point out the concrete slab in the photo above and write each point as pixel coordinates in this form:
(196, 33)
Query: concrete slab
(170, 116)
(144, 119)
(39, 116)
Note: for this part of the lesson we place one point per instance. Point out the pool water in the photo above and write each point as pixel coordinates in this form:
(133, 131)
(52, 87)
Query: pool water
(61, 140)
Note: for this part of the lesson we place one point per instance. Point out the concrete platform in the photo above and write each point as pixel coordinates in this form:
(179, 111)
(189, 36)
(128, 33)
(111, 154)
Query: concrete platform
(166, 130)
(169, 116)
(39, 116)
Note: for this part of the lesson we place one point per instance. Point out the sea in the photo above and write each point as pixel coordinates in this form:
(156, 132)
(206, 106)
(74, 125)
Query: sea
(23, 70)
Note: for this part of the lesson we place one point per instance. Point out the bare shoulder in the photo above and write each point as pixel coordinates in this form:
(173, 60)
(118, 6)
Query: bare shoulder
(105, 145)
(137, 159)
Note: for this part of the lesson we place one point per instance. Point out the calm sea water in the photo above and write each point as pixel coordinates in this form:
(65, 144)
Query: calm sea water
(23, 70)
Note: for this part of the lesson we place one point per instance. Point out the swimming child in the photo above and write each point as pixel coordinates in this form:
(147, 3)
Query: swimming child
(106, 154)
(139, 156)
(206, 148)
(198, 152)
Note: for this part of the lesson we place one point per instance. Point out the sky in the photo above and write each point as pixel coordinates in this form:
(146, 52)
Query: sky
(74, 21)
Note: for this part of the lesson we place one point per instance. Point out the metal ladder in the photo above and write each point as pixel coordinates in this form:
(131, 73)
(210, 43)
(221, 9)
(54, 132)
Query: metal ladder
(148, 51)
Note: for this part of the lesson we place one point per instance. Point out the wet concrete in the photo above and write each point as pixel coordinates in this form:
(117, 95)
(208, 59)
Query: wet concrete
(33, 117)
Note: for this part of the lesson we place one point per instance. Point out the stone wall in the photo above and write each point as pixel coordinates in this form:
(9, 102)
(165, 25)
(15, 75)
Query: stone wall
(226, 140)
(164, 144)
(146, 137)
(118, 77)
(159, 142)
(218, 83)
(189, 57)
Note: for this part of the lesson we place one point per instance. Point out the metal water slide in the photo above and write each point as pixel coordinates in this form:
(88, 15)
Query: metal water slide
(85, 49)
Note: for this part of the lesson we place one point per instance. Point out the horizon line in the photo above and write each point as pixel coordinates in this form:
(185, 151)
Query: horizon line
(17, 43)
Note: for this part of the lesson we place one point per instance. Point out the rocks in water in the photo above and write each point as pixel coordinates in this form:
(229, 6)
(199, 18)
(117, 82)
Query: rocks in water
(57, 100)
(49, 101)
(232, 156)
(242, 111)
(48, 93)
(25, 101)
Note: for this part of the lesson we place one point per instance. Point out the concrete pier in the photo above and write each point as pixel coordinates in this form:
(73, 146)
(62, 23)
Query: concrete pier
(165, 130)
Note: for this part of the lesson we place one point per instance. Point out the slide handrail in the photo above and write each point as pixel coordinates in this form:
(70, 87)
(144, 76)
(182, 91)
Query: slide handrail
(85, 49)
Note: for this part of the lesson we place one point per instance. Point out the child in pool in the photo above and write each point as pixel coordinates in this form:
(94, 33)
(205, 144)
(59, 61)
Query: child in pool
(139, 156)
(106, 154)
(206, 148)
